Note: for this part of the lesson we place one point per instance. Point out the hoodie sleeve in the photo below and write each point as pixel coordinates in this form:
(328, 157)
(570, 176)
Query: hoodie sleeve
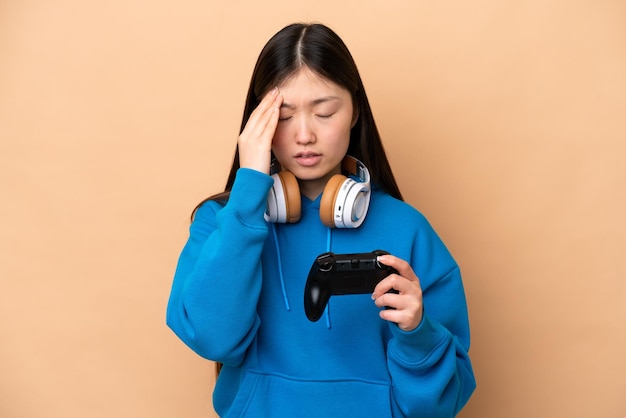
(431, 371)
(216, 287)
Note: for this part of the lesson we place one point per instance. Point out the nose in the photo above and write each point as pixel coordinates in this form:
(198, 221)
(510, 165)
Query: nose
(304, 131)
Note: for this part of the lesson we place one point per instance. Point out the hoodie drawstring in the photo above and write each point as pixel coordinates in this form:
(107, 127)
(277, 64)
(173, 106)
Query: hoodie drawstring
(328, 247)
(280, 268)
(282, 278)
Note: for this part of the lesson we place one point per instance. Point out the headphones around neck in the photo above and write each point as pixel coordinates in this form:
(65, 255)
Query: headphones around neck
(344, 201)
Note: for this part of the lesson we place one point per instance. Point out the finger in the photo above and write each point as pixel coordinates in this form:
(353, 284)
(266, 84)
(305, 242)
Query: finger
(406, 319)
(273, 115)
(408, 295)
(264, 110)
(263, 125)
(397, 284)
(388, 300)
(394, 284)
(384, 286)
(405, 309)
(402, 267)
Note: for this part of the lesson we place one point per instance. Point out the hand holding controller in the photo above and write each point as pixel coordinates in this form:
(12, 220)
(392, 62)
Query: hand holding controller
(341, 274)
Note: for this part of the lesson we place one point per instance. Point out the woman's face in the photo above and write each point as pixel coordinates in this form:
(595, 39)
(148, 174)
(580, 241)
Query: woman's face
(313, 131)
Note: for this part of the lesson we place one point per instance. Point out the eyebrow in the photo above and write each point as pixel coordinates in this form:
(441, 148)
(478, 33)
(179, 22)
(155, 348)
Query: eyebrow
(313, 103)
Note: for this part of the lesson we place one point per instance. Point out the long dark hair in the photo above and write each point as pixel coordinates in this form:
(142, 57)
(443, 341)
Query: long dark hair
(321, 50)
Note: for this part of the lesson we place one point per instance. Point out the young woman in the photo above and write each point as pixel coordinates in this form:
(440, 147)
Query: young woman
(310, 176)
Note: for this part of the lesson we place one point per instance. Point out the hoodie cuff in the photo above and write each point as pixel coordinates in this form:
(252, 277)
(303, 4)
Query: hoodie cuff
(419, 345)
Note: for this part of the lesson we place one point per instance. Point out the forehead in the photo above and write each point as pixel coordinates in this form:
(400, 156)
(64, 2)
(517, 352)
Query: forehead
(306, 84)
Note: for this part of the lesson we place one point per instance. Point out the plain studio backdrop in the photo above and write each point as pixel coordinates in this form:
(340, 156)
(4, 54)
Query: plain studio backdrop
(504, 122)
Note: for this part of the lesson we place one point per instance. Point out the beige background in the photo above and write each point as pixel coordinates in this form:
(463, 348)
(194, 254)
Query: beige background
(504, 120)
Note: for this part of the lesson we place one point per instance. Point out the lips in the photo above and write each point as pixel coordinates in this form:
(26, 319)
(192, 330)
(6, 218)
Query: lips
(306, 154)
(307, 159)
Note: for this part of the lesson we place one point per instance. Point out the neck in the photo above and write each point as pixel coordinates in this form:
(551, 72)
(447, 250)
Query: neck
(311, 189)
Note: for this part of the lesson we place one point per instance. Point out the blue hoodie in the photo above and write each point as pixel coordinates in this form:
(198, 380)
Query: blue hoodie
(237, 298)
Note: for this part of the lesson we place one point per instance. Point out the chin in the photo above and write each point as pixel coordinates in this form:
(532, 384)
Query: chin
(310, 173)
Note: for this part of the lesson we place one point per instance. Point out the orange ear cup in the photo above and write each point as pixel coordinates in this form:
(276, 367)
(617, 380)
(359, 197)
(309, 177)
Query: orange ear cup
(291, 190)
(329, 196)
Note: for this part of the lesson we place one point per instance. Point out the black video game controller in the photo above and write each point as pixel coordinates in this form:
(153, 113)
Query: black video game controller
(341, 274)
